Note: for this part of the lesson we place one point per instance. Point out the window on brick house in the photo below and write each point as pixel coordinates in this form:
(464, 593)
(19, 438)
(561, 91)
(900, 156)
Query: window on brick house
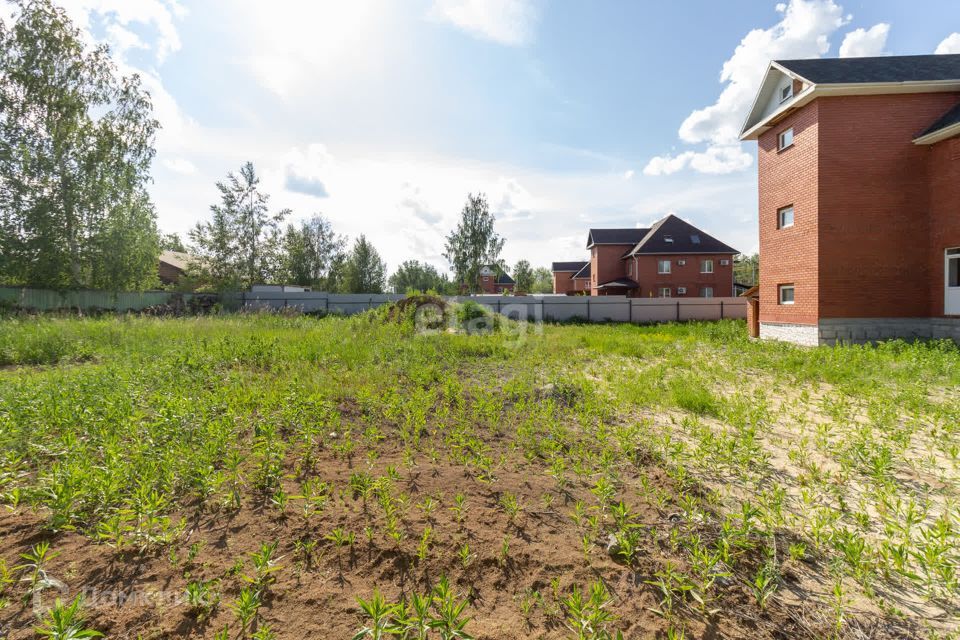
(785, 217)
(663, 266)
(785, 139)
(785, 293)
(786, 92)
(664, 292)
(706, 266)
(706, 292)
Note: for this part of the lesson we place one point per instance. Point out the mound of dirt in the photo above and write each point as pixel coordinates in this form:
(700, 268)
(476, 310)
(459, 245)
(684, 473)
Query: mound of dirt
(413, 305)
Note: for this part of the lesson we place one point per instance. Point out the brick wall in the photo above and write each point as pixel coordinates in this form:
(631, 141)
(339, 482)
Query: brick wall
(688, 275)
(944, 167)
(563, 282)
(606, 263)
(874, 203)
(872, 210)
(788, 256)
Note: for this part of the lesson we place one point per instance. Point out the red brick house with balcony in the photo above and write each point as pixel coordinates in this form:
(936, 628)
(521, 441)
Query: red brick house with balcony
(859, 198)
(670, 259)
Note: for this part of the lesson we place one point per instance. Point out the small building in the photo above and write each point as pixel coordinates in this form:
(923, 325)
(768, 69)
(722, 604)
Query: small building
(492, 280)
(571, 278)
(173, 264)
(671, 259)
(859, 194)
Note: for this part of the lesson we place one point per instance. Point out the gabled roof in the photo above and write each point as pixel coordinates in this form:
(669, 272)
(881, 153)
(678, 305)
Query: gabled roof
(615, 236)
(503, 278)
(567, 266)
(583, 273)
(875, 70)
(176, 259)
(673, 235)
(822, 77)
(947, 126)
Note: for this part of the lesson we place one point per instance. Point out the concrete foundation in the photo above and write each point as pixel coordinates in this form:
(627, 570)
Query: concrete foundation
(804, 334)
(830, 331)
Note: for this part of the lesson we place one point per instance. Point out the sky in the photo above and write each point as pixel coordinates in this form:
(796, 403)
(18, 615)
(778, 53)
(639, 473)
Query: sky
(384, 114)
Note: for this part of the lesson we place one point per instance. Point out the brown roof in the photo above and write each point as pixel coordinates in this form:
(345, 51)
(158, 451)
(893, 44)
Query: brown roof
(176, 259)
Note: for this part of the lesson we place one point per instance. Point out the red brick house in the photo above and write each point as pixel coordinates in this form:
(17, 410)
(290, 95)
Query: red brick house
(670, 259)
(571, 278)
(492, 280)
(859, 198)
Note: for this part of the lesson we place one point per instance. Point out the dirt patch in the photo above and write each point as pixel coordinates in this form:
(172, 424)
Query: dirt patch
(134, 594)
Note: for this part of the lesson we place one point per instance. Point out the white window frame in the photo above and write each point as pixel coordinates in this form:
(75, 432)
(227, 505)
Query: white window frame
(660, 267)
(781, 224)
(665, 292)
(781, 145)
(706, 266)
(781, 288)
(786, 92)
(706, 292)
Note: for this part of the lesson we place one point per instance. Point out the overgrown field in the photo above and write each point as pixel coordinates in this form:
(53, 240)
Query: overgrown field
(264, 476)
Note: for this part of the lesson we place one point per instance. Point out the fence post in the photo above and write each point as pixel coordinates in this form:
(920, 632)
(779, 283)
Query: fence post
(721, 309)
(630, 309)
(370, 303)
(588, 310)
(678, 311)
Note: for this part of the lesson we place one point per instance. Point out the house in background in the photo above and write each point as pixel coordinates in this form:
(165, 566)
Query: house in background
(493, 280)
(672, 258)
(571, 278)
(859, 198)
(173, 264)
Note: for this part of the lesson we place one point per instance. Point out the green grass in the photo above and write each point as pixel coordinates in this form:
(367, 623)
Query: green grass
(109, 426)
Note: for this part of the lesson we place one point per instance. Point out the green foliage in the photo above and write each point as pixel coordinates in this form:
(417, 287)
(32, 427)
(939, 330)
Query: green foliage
(413, 276)
(746, 269)
(66, 622)
(542, 281)
(636, 433)
(364, 271)
(172, 242)
(76, 143)
(240, 245)
(313, 255)
(523, 275)
(473, 243)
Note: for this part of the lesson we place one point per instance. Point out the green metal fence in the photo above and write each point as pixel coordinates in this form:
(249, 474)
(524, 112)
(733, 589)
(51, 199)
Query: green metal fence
(47, 300)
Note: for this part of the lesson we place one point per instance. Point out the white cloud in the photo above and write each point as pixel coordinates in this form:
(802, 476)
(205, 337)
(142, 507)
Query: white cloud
(803, 32)
(628, 174)
(119, 15)
(865, 42)
(950, 44)
(179, 165)
(509, 22)
(717, 159)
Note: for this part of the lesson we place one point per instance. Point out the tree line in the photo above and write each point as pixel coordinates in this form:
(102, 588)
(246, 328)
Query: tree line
(76, 146)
